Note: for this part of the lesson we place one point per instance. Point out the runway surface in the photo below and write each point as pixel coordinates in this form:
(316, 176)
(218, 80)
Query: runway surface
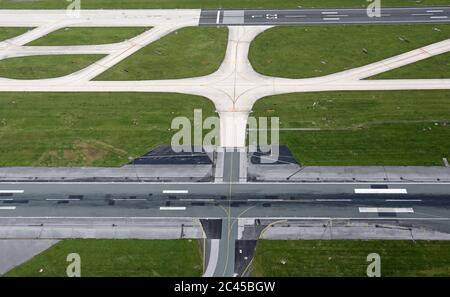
(323, 16)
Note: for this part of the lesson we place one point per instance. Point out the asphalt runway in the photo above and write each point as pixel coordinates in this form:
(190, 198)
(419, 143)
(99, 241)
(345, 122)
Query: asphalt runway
(323, 16)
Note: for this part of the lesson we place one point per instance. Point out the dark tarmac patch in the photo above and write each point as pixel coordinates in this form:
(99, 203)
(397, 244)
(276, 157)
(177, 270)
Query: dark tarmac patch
(165, 155)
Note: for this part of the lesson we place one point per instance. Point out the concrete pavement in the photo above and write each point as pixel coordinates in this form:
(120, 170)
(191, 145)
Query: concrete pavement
(233, 88)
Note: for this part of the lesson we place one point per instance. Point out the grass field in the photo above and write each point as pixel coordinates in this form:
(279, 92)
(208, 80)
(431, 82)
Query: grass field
(213, 3)
(348, 257)
(191, 51)
(434, 67)
(118, 258)
(88, 36)
(10, 32)
(311, 51)
(49, 66)
(76, 129)
(363, 128)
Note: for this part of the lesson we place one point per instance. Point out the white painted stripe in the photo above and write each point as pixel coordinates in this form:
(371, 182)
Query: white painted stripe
(439, 17)
(422, 14)
(381, 191)
(6, 199)
(266, 200)
(329, 12)
(172, 208)
(175, 191)
(403, 200)
(218, 17)
(129, 199)
(198, 200)
(331, 19)
(385, 210)
(11, 191)
(7, 207)
(438, 10)
(334, 200)
(62, 199)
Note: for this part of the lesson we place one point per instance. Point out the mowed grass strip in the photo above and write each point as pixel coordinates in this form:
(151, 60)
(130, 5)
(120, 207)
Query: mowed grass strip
(91, 4)
(117, 258)
(433, 67)
(10, 32)
(88, 129)
(363, 128)
(48, 66)
(349, 257)
(88, 36)
(311, 51)
(188, 52)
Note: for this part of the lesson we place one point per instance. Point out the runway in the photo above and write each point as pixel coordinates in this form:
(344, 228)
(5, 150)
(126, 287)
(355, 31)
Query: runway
(323, 16)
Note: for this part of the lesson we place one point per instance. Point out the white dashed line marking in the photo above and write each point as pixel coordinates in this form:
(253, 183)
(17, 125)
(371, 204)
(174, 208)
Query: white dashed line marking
(331, 19)
(385, 210)
(7, 207)
(439, 17)
(11, 191)
(403, 200)
(172, 208)
(381, 191)
(175, 191)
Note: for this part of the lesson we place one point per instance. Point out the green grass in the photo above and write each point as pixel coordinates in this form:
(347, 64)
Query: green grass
(48, 66)
(10, 32)
(348, 257)
(311, 51)
(86, 36)
(88, 129)
(434, 67)
(42, 4)
(363, 128)
(118, 258)
(188, 52)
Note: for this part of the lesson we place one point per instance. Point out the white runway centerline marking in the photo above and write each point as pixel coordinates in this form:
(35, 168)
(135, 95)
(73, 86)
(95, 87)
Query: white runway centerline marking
(403, 200)
(63, 199)
(436, 10)
(331, 19)
(334, 200)
(439, 17)
(381, 191)
(172, 208)
(385, 210)
(11, 191)
(175, 191)
(7, 207)
(329, 12)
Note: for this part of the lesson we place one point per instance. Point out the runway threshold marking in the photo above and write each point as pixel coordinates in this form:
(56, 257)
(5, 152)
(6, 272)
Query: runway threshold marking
(381, 191)
(385, 210)
(175, 191)
(172, 208)
(11, 191)
(218, 17)
(7, 207)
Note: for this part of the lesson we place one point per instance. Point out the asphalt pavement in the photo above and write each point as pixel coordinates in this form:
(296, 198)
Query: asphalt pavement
(266, 17)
